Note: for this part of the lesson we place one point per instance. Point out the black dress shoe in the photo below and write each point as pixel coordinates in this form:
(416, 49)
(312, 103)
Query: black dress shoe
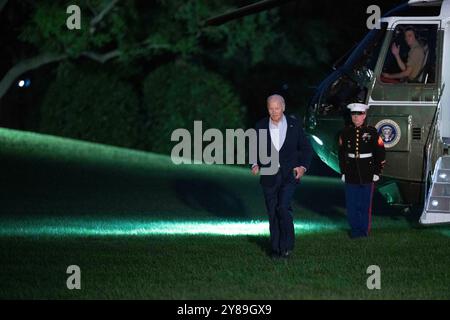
(286, 254)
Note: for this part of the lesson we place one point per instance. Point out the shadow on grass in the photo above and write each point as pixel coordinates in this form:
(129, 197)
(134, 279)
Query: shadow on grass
(39, 186)
(262, 242)
(324, 201)
(410, 214)
(35, 187)
(207, 195)
(329, 202)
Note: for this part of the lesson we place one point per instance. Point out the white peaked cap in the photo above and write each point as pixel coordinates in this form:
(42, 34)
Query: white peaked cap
(354, 107)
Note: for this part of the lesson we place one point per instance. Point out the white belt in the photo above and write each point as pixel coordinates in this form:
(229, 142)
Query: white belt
(360, 156)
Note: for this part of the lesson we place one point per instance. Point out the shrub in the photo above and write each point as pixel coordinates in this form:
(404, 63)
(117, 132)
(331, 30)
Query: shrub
(91, 105)
(175, 95)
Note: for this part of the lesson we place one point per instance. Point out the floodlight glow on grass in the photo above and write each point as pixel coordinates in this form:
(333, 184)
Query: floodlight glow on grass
(78, 227)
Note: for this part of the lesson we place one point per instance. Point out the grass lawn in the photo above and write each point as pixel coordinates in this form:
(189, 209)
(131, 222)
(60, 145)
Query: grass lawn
(140, 227)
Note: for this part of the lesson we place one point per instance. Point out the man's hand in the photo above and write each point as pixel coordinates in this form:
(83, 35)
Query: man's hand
(299, 172)
(255, 170)
(395, 50)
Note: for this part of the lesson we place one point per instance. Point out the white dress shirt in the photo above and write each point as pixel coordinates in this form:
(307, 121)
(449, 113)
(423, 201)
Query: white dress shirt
(278, 132)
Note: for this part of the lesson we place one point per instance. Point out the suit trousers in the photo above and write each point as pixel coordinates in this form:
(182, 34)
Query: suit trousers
(281, 220)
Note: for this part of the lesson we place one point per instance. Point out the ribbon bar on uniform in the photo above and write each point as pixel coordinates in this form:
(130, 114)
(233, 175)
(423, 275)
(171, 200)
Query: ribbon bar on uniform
(360, 156)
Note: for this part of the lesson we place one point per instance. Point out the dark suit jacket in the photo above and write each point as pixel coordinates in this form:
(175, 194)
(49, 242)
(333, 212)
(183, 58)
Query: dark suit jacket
(295, 152)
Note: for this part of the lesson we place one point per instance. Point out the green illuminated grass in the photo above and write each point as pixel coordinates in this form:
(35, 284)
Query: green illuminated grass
(140, 227)
(325, 266)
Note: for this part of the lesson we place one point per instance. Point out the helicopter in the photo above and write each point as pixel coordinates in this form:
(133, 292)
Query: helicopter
(412, 116)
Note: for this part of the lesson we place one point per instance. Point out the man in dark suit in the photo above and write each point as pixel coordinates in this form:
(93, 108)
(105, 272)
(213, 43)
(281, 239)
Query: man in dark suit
(288, 145)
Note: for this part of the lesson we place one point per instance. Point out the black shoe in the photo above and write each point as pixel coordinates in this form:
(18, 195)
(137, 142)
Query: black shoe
(286, 254)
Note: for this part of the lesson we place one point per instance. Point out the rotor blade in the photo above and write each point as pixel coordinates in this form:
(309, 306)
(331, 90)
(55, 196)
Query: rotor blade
(245, 11)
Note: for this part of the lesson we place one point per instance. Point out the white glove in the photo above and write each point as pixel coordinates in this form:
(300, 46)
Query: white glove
(343, 178)
(375, 178)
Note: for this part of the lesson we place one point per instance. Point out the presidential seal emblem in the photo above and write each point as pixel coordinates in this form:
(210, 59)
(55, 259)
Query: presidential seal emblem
(389, 131)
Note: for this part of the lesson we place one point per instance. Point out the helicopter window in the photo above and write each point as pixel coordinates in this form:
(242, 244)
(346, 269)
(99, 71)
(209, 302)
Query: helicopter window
(351, 81)
(412, 47)
(409, 67)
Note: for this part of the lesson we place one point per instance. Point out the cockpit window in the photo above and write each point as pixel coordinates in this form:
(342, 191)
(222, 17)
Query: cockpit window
(410, 64)
(353, 79)
(412, 55)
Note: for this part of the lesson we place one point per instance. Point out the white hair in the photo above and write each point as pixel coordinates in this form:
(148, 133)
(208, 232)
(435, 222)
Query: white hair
(277, 98)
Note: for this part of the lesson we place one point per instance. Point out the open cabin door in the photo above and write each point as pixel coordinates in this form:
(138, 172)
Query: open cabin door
(437, 199)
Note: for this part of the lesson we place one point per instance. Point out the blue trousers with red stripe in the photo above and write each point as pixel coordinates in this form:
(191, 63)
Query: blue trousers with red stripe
(359, 208)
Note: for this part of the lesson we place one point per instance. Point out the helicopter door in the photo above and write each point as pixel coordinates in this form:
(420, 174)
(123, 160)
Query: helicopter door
(403, 104)
(445, 99)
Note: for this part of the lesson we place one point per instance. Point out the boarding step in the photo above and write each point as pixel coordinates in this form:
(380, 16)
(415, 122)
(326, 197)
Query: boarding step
(446, 140)
(444, 163)
(443, 176)
(437, 206)
(440, 189)
(431, 218)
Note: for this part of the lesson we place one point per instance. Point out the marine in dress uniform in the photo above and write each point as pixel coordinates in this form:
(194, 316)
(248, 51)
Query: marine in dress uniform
(361, 160)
